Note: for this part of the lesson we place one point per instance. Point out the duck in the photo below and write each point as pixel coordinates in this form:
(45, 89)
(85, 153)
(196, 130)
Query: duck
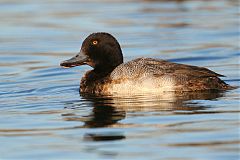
(110, 75)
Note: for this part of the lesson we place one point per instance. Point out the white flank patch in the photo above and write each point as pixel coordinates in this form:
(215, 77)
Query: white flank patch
(145, 85)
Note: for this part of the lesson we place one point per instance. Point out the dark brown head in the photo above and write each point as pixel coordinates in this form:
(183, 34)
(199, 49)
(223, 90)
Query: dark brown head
(100, 51)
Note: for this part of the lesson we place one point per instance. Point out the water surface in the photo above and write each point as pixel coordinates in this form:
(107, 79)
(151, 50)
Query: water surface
(43, 116)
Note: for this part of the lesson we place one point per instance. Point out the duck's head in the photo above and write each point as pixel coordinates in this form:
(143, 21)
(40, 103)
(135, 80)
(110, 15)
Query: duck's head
(100, 51)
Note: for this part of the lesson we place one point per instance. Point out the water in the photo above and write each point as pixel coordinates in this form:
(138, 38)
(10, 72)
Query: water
(43, 116)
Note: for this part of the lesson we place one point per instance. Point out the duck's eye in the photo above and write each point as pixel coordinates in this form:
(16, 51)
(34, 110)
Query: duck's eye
(95, 42)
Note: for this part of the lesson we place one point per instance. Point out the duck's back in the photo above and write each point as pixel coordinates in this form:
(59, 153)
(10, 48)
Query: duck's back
(151, 75)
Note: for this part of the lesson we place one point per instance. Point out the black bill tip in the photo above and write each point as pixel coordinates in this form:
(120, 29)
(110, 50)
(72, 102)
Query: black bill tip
(67, 64)
(78, 60)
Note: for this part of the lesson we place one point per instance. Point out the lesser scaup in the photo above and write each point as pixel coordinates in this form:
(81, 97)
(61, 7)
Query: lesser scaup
(143, 75)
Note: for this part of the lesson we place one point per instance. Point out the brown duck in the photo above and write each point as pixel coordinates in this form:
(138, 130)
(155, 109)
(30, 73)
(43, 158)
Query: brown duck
(143, 75)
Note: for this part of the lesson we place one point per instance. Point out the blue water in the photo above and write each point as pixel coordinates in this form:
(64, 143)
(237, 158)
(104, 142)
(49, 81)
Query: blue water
(43, 116)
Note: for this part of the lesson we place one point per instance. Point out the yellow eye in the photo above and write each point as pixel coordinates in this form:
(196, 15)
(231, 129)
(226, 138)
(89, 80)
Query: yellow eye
(95, 42)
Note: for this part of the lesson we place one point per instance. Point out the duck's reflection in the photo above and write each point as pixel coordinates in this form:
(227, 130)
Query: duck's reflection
(108, 111)
(106, 136)
(103, 116)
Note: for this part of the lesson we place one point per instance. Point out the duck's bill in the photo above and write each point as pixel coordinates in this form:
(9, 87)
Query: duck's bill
(79, 59)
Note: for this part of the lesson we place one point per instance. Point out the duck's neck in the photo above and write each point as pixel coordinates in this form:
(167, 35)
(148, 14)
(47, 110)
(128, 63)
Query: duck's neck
(103, 70)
